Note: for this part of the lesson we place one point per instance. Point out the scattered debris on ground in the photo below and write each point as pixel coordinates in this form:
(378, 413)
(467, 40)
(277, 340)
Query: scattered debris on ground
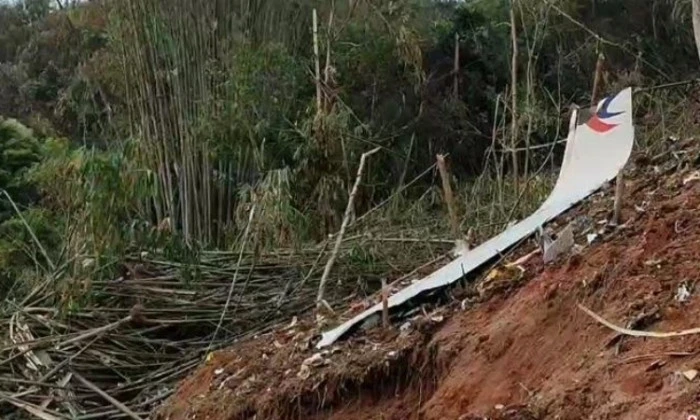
(146, 330)
(526, 341)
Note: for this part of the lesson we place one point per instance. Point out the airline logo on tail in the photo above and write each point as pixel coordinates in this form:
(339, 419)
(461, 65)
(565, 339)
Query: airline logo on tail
(597, 121)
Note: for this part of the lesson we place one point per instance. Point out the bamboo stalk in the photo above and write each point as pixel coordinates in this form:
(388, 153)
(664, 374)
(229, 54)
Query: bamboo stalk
(449, 196)
(339, 238)
(455, 71)
(619, 179)
(597, 79)
(514, 94)
(124, 409)
(327, 67)
(317, 62)
(235, 274)
(385, 304)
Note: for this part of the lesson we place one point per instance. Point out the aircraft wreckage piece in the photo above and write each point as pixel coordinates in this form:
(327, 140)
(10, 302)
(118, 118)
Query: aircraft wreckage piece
(596, 150)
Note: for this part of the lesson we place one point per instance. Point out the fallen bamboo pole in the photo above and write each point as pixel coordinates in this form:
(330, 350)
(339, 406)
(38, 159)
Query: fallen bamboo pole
(121, 407)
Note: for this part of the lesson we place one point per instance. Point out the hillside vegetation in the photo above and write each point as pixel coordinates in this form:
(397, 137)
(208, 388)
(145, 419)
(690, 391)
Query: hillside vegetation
(213, 145)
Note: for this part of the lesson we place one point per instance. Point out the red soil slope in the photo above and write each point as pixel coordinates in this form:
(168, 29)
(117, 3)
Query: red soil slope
(523, 351)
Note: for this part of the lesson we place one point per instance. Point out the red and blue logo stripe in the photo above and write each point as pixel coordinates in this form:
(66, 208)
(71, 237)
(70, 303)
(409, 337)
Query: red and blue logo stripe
(597, 121)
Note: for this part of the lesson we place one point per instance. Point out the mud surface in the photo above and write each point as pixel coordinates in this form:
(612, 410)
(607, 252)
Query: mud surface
(518, 348)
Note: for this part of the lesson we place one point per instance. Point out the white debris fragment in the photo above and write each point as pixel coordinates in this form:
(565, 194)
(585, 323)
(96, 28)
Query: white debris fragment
(460, 248)
(315, 360)
(682, 293)
(218, 371)
(591, 237)
(695, 176)
(563, 244)
(437, 318)
(690, 374)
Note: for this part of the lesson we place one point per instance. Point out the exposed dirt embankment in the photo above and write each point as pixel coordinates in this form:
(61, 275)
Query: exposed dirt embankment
(524, 351)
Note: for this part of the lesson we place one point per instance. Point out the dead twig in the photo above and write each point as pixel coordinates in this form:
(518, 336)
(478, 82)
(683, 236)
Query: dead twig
(124, 409)
(642, 357)
(637, 333)
(97, 331)
(32, 409)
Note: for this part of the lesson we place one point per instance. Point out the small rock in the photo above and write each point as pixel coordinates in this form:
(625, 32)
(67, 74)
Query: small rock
(499, 407)
(218, 371)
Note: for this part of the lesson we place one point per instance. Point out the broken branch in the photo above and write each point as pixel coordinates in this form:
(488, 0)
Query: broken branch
(449, 196)
(343, 226)
(637, 333)
(385, 304)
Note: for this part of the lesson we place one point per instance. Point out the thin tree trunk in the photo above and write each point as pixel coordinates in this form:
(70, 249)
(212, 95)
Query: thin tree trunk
(696, 24)
(317, 75)
(455, 71)
(514, 95)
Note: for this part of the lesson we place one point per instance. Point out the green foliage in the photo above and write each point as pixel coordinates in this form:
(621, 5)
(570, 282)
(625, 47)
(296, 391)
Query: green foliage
(191, 111)
(19, 150)
(101, 189)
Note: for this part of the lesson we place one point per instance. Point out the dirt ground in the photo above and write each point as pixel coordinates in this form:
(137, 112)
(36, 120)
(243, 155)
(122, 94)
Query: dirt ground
(517, 348)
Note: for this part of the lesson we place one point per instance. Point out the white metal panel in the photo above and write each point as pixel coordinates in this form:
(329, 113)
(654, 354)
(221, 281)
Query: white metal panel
(595, 152)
